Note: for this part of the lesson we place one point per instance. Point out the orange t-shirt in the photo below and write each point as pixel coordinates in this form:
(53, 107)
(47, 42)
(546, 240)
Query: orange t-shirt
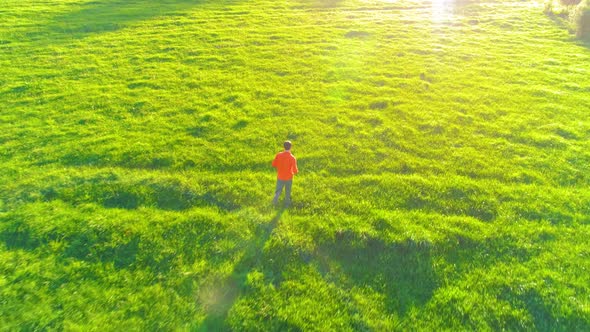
(286, 165)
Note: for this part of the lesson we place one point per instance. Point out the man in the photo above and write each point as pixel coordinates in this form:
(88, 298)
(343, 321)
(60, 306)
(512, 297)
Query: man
(286, 166)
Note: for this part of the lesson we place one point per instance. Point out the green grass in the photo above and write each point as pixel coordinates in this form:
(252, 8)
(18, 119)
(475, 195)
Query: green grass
(444, 163)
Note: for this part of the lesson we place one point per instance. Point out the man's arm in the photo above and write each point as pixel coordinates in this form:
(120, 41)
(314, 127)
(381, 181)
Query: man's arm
(275, 162)
(295, 170)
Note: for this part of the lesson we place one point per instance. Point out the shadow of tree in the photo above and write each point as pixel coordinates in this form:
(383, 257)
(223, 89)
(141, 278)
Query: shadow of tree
(226, 291)
(328, 3)
(112, 15)
(403, 271)
(110, 192)
(585, 42)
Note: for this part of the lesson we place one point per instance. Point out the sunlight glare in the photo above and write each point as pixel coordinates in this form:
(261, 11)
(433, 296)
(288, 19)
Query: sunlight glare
(442, 10)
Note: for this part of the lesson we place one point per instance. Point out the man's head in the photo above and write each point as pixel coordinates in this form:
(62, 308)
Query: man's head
(287, 145)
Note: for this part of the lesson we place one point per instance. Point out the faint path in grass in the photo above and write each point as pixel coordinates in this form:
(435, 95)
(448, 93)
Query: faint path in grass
(219, 295)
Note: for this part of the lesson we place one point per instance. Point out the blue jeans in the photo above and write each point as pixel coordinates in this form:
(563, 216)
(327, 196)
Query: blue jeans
(280, 184)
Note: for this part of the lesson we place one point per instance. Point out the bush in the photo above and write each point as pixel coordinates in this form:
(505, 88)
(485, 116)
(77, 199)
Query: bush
(575, 14)
(557, 9)
(570, 2)
(549, 8)
(582, 20)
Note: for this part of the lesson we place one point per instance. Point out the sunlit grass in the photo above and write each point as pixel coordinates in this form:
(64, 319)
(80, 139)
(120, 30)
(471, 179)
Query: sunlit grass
(443, 149)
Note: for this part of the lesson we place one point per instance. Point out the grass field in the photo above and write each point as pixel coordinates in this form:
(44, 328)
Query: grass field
(443, 148)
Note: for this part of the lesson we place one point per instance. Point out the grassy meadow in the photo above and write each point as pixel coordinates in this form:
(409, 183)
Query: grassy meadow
(443, 148)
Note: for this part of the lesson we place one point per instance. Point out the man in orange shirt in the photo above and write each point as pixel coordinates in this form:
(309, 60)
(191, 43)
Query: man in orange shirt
(286, 166)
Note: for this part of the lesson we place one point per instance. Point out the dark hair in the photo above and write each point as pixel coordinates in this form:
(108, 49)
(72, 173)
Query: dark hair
(287, 145)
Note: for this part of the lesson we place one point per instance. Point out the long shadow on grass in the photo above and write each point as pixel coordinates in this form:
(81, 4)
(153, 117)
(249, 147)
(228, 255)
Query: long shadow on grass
(561, 21)
(327, 3)
(220, 295)
(112, 15)
(585, 42)
(112, 192)
(402, 271)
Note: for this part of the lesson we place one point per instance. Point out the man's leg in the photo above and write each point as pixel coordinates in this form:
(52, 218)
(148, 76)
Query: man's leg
(288, 185)
(278, 191)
